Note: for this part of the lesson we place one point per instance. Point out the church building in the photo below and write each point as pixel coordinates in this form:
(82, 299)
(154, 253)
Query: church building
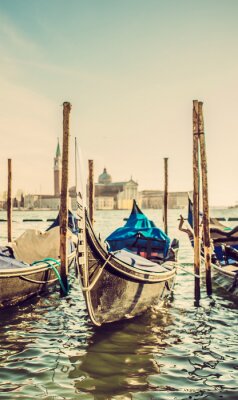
(114, 195)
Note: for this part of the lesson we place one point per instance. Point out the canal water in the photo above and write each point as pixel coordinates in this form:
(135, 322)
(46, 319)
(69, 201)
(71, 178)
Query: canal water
(49, 349)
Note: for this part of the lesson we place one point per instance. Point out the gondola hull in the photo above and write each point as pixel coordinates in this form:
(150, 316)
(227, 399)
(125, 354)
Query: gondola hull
(225, 266)
(226, 278)
(21, 283)
(114, 290)
(115, 297)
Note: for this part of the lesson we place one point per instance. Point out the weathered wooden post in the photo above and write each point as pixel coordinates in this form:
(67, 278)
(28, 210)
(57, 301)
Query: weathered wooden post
(9, 201)
(206, 217)
(196, 202)
(64, 196)
(166, 195)
(91, 190)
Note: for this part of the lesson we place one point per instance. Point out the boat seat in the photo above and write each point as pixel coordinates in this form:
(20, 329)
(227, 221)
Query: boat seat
(147, 252)
(137, 261)
(147, 248)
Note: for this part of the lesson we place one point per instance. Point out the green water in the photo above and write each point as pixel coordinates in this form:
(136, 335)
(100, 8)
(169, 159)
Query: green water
(50, 350)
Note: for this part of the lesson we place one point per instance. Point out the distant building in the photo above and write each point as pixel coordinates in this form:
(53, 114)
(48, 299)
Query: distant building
(104, 203)
(114, 195)
(47, 201)
(126, 197)
(155, 199)
(151, 199)
(17, 201)
(109, 195)
(177, 199)
(3, 199)
(30, 201)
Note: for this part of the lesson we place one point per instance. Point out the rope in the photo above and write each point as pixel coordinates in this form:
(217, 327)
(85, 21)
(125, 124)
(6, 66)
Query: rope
(37, 282)
(93, 283)
(77, 265)
(47, 261)
(179, 266)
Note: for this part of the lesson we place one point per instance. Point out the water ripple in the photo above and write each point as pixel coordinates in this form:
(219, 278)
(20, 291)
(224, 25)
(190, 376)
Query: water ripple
(49, 350)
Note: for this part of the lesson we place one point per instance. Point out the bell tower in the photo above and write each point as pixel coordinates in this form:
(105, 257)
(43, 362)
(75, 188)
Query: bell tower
(57, 171)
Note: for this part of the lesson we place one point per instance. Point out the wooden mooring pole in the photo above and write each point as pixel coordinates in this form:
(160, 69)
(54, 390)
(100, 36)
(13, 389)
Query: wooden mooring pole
(64, 197)
(9, 201)
(206, 217)
(91, 190)
(166, 195)
(196, 203)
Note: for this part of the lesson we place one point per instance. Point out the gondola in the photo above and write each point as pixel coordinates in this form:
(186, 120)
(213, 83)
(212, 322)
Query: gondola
(134, 271)
(30, 264)
(224, 241)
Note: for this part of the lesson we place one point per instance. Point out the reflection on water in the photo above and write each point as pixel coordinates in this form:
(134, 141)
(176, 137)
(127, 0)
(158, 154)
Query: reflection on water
(120, 356)
(49, 350)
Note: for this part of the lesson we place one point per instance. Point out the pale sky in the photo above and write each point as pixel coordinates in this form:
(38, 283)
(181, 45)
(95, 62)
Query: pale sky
(131, 69)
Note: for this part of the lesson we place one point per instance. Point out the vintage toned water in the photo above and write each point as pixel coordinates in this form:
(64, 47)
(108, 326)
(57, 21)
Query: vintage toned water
(49, 349)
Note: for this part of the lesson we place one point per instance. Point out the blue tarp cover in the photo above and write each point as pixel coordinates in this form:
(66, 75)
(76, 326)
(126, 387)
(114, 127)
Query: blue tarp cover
(138, 225)
(190, 212)
(72, 222)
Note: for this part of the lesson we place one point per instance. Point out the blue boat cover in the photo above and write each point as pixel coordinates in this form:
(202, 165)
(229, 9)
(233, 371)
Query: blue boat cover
(138, 228)
(190, 212)
(72, 222)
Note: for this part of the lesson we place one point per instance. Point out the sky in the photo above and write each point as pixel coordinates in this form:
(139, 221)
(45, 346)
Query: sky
(131, 69)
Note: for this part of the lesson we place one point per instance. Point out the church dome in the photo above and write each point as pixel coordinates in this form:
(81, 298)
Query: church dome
(104, 178)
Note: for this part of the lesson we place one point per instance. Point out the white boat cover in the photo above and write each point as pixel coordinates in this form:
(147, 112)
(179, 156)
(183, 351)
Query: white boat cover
(34, 245)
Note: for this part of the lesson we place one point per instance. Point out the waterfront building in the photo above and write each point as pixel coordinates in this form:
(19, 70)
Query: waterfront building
(114, 195)
(151, 198)
(155, 199)
(109, 195)
(3, 199)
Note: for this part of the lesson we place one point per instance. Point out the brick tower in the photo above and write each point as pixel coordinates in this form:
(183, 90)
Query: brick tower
(57, 171)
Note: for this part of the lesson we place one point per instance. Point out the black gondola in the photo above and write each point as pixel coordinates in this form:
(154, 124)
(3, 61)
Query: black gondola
(224, 242)
(121, 284)
(30, 264)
